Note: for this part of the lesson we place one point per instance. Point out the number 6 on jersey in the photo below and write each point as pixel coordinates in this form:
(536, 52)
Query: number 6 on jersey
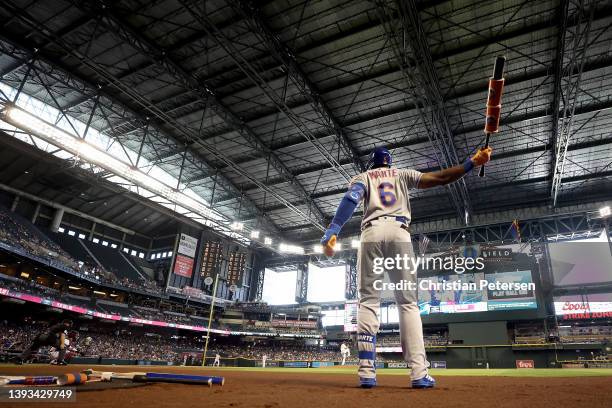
(387, 194)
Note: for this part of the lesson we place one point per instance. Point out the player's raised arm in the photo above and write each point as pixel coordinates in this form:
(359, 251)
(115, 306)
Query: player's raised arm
(345, 211)
(446, 176)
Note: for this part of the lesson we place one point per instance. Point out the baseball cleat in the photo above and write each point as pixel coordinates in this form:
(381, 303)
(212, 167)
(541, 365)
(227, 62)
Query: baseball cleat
(367, 382)
(425, 382)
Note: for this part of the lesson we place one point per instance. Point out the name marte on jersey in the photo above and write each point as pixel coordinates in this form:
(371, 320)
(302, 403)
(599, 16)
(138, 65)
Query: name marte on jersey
(382, 173)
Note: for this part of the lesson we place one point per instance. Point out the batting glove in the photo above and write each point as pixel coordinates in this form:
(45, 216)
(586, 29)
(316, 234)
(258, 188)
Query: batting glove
(333, 229)
(482, 156)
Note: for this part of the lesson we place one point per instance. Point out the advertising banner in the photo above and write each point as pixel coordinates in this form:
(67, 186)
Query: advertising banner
(294, 323)
(525, 364)
(183, 266)
(187, 245)
(564, 308)
(185, 255)
(295, 364)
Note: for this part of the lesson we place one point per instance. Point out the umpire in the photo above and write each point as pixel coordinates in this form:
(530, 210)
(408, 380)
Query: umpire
(54, 336)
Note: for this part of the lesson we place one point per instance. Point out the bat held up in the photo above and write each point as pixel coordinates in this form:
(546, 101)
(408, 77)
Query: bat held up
(496, 88)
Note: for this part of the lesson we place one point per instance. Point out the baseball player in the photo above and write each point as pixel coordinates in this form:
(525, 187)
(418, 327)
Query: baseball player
(54, 336)
(70, 351)
(264, 358)
(385, 234)
(217, 361)
(345, 351)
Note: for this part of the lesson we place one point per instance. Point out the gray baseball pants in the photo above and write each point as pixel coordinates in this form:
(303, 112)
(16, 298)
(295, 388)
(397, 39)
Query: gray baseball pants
(386, 238)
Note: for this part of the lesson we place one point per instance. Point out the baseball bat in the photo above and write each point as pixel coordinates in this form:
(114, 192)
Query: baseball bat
(173, 378)
(496, 88)
(28, 380)
(72, 379)
(158, 377)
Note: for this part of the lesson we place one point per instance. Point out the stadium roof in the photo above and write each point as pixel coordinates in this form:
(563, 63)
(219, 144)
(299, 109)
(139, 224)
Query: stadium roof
(267, 109)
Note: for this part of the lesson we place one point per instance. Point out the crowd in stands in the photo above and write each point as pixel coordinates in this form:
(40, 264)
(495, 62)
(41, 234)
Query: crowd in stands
(536, 334)
(296, 351)
(31, 287)
(267, 327)
(120, 344)
(126, 344)
(144, 285)
(147, 313)
(25, 236)
(430, 339)
(529, 334)
(261, 307)
(14, 337)
(585, 334)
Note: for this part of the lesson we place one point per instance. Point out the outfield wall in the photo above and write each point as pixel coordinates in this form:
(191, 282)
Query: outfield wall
(497, 356)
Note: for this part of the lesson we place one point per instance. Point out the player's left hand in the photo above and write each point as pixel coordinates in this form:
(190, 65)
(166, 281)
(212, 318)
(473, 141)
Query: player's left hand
(482, 156)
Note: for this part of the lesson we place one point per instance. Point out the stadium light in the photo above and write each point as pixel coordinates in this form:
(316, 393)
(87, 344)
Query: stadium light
(355, 243)
(268, 241)
(237, 226)
(605, 211)
(291, 249)
(255, 234)
(191, 205)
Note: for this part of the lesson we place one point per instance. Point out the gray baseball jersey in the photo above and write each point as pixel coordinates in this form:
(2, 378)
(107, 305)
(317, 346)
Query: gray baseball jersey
(387, 192)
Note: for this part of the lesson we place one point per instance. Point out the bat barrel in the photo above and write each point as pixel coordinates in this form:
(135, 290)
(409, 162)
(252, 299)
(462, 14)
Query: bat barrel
(33, 380)
(72, 379)
(493, 113)
(175, 378)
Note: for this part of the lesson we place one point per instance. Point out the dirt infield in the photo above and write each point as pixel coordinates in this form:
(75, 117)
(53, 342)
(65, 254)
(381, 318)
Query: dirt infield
(295, 389)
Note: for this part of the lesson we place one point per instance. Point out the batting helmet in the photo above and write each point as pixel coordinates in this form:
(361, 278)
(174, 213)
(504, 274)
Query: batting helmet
(380, 157)
(67, 323)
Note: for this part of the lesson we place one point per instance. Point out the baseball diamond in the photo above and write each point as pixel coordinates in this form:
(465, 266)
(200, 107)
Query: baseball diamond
(306, 203)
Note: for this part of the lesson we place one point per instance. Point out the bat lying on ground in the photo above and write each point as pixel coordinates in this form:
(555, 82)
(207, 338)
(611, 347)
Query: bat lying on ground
(65, 379)
(28, 380)
(156, 377)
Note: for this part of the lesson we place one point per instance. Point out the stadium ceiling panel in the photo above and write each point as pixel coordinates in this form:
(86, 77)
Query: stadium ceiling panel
(265, 109)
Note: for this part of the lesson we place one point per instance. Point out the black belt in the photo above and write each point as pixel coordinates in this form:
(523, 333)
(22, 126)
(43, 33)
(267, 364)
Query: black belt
(402, 220)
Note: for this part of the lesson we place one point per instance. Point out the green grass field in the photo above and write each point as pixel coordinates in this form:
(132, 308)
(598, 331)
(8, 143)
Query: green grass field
(352, 370)
(537, 372)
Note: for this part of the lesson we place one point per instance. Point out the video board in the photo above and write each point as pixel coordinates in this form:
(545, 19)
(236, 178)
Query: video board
(476, 292)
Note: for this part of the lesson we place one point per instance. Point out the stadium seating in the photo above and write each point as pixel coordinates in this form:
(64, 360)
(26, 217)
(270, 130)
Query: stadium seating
(18, 232)
(529, 333)
(73, 246)
(585, 335)
(114, 261)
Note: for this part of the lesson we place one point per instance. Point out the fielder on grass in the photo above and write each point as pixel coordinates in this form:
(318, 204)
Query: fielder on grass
(345, 351)
(385, 234)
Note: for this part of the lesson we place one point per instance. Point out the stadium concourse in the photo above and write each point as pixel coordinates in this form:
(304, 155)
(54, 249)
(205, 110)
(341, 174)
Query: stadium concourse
(306, 202)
